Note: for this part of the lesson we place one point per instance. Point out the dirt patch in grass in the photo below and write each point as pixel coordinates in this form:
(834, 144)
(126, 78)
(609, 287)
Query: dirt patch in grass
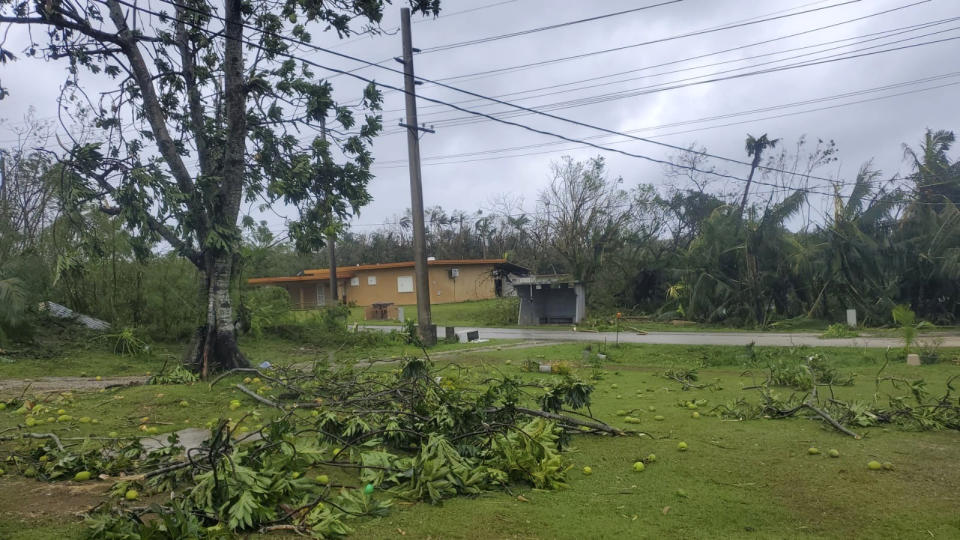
(29, 500)
(42, 385)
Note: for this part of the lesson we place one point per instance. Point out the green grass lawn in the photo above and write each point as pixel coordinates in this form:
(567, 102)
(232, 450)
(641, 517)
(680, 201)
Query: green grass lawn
(83, 357)
(738, 479)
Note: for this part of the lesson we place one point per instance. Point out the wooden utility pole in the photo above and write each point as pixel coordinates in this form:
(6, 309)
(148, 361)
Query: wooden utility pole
(424, 324)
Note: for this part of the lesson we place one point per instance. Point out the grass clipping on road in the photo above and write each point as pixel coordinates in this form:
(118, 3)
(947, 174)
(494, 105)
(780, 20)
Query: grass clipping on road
(343, 444)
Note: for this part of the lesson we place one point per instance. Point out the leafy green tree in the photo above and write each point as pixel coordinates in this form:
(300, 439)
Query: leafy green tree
(204, 112)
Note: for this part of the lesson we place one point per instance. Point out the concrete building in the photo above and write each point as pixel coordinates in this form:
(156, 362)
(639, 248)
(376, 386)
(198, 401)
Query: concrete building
(364, 285)
(549, 300)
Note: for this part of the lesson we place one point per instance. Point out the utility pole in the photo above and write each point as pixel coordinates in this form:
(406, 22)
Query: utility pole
(425, 324)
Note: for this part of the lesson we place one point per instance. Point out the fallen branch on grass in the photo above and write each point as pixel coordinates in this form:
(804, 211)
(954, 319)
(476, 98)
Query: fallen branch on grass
(50, 436)
(258, 397)
(598, 426)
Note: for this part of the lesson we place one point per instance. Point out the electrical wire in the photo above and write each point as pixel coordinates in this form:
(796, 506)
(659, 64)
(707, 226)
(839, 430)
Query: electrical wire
(534, 111)
(428, 159)
(886, 33)
(649, 42)
(677, 84)
(529, 31)
(500, 120)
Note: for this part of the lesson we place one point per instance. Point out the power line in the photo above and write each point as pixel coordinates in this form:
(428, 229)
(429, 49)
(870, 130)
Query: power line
(488, 39)
(500, 120)
(682, 60)
(649, 42)
(389, 164)
(546, 114)
(676, 84)
(457, 107)
(441, 16)
(736, 24)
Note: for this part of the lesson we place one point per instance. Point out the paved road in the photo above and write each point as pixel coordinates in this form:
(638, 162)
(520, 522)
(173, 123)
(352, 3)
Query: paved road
(694, 338)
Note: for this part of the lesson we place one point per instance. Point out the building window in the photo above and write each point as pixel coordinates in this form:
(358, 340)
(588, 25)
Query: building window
(404, 284)
(355, 282)
(371, 280)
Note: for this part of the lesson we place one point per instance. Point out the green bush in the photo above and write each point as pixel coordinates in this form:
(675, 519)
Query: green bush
(264, 307)
(501, 312)
(839, 330)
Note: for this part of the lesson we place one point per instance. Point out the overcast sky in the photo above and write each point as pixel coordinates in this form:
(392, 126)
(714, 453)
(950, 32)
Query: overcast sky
(874, 129)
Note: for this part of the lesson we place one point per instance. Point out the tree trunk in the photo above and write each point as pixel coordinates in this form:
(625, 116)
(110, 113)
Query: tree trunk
(331, 251)
(215, 348)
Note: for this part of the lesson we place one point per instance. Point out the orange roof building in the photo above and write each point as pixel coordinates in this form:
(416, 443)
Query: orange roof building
(454, 280)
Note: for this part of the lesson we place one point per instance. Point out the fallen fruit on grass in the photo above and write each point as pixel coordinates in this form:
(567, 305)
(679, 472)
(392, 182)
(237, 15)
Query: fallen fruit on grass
(813, 451)
(651, 458)
(587, 471)
(3, 406)
(62, 411)
(619, 396)
(874, 465)
(30, 421)
(682, 446)
(294, 475)
(152, 430)
(691, 405)
(621, 412)
(2, 472)
(184, 403)
(614, 386)
(682, 493)
(695, 414)
(256, 380)
(234, 405)
(81, 476)
(322, 479)
(658, 418)
(651, 408)
(84, 420)
(99, 378)
(887, 465)
(131, 495)
(30, 472)
(638, 466)
(833, 452)
(508, 362)
(64, 418)
(246, 380)
(113, 434)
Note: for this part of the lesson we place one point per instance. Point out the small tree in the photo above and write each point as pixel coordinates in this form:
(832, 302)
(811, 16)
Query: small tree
(582, 215)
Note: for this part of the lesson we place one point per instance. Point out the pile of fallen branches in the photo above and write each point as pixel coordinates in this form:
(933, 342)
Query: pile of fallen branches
(347, 441)
(916, 409)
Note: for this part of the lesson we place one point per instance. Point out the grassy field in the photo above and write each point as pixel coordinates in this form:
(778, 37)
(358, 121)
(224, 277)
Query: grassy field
(738, 479)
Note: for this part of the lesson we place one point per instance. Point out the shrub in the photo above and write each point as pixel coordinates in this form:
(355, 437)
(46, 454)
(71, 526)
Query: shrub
(838, 330)
(264, 307)
(501, 312)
